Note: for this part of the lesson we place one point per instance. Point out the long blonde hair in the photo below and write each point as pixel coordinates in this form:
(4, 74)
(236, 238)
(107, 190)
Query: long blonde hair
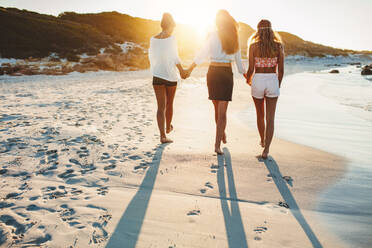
(268, 41)
(227, 29)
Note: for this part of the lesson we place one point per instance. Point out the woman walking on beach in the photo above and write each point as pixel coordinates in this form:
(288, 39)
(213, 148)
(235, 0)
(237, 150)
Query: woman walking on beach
(265, 74)
(221, 48)
(164, 61)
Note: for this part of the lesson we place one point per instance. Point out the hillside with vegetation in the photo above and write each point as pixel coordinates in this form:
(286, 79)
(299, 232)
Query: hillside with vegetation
(30, 35)
(26, 34)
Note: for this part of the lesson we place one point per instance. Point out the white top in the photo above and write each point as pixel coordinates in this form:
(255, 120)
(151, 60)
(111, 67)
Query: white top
(212, 51)
(163, 55)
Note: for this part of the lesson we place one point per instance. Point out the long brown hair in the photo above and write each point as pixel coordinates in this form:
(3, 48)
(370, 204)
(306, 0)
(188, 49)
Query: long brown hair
(268, 41)
(227, 29)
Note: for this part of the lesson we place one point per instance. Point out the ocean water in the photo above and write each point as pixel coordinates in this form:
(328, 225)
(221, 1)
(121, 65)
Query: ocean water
(333, 112)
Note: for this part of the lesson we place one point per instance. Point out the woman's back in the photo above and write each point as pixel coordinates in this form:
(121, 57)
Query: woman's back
(265, 61)
(163, 55)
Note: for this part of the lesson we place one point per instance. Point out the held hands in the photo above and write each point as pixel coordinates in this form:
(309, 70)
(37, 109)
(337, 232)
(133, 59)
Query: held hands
(185, 73)
(249, 81)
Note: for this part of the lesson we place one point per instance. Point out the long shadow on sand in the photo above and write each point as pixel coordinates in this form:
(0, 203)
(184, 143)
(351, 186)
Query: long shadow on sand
(233, 220)
(128, 229)
(273, 168)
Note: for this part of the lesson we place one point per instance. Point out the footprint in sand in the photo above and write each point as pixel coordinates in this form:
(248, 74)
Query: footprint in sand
(52, 192)
(283, 204)
(100, 234)
(74, 161)
(67, 174)
(87, 168)
(67, 215)
(194, 212)
(105, 155)
(259, 230)
(269, 178)
(289, 180)
(17, 229)
(111, 166)
(209, 185)
(13, 195)
(214, 168)
(134, 157)
(83, 152)
(102, 190)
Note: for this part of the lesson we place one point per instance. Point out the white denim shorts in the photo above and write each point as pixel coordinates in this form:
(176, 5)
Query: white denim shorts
(265, 85)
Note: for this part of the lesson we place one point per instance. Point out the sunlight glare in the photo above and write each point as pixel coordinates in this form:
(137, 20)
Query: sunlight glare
(199, 15)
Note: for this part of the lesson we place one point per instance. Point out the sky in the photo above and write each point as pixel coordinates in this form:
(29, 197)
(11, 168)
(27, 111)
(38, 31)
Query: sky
(337, 23)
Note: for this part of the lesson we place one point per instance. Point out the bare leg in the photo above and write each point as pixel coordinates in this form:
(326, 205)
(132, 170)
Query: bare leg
(160, 115)
(260, 112)
(170, 92)
(215, 104)
(270, 117)
(221, 125)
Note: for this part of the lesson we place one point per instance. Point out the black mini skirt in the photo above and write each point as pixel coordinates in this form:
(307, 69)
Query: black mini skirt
(220, 83)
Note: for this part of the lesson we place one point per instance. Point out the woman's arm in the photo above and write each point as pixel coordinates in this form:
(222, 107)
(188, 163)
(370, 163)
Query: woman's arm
(177, 60)
(201, 56)
(182, 71)
(251, 65)
(281, 65)
(151, 53)
(238, 62)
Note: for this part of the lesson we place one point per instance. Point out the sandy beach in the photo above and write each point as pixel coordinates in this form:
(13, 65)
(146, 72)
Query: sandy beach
(81, 167)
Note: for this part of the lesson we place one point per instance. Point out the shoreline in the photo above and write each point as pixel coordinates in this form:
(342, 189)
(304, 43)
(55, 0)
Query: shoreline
(346, 203)
(129, 59)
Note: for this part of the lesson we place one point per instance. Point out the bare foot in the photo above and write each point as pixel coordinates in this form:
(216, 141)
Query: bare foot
(170, 129)
(262, 143)
(165, 140)
(218, 151)
(265, 153)
(224, 138)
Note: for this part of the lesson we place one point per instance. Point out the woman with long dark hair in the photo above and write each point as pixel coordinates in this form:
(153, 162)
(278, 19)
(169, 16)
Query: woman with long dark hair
(265, 74)
(164, 61)
(221, 48)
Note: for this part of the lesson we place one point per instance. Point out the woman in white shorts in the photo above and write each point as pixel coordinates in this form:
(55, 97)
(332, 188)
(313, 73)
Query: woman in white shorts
(265, 74)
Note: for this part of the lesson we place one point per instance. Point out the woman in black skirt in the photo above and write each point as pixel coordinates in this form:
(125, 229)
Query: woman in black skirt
(221, 48)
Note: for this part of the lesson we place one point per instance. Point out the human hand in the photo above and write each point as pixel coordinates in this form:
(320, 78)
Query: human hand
(184, 74)
(249, 82)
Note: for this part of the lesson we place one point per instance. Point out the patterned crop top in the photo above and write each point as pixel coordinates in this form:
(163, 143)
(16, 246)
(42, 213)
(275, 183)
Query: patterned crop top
(266, 62)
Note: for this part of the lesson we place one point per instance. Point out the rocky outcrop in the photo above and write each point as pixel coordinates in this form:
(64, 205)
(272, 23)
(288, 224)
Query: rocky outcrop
(133, 60)
(367, 70)
(334, 71)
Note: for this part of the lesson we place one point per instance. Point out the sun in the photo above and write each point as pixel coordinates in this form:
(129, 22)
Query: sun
(198, 14)
(203, 27)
